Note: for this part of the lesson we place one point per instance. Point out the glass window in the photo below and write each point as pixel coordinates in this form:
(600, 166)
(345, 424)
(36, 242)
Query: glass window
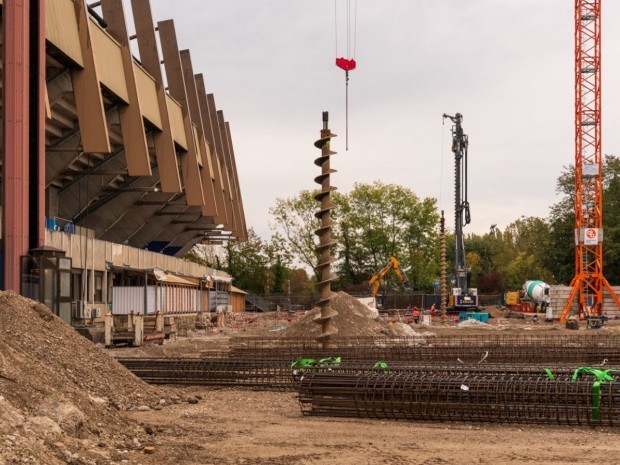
(98, 287)
(65, 284)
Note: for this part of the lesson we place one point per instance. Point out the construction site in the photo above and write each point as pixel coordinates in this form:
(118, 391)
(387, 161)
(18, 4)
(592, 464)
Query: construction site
(115, 349)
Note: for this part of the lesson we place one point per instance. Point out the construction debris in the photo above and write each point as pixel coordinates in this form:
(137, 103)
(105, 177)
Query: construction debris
(60, 396)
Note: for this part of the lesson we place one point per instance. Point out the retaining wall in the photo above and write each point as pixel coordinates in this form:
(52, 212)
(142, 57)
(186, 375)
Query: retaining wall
(560, 294)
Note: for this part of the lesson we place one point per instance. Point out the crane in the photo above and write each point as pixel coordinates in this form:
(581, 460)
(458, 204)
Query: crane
(375, 280)
(464, 296)
(589, 281)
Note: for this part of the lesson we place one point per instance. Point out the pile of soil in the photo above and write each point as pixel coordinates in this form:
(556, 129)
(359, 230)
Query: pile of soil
(354, 319)
(495, 312)
(61, 398)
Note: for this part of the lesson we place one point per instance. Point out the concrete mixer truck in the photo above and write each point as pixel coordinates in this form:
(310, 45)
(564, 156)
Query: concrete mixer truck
(536, 292)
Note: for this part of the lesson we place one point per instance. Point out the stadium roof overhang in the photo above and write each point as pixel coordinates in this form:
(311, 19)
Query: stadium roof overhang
(137, 162)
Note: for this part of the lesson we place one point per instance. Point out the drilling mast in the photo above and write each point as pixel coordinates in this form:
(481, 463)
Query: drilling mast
(588, 283)
(464, 297)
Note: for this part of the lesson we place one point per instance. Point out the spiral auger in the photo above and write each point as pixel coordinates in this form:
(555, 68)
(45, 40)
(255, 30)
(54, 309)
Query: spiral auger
(442, 263)
(324, 233)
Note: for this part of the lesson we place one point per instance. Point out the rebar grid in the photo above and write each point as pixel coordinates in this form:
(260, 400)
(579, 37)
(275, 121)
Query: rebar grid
(265, 375)
(493, 348)
(282, 375)
(482, 398)
(527, 340)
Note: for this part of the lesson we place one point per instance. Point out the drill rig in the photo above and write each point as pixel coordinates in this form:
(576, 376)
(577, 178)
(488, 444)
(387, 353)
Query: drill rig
(463, 296)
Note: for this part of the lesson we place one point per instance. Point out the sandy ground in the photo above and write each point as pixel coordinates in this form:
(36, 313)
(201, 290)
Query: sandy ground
(65, 401)
(252, 428)
(233, 426)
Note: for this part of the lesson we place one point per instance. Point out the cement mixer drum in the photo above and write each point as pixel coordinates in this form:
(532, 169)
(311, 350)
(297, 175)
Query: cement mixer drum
(538, 291)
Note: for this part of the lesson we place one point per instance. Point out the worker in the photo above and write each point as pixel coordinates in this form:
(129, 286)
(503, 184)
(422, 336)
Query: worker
(416, 315)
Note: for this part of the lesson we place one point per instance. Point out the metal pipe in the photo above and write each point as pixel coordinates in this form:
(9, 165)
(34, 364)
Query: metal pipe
(102, 22)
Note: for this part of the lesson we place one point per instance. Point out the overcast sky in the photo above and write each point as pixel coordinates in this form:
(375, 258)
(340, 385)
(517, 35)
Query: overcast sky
(506, 65)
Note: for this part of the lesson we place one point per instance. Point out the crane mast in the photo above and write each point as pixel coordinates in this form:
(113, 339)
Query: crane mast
(464, 297)
(589, 281)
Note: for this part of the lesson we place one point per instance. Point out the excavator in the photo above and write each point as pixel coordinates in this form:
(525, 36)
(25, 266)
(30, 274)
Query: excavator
(375, 280)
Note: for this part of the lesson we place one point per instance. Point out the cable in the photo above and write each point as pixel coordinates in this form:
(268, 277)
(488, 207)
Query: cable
(443, 132)
(336, 23)
(348, 28)
(355, 31)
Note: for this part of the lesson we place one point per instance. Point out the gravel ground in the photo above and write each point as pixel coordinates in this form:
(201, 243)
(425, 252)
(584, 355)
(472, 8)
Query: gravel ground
(256, 428)
(65, 401)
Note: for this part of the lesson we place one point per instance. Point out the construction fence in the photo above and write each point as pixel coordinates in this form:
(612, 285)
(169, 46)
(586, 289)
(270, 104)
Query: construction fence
(392, 301)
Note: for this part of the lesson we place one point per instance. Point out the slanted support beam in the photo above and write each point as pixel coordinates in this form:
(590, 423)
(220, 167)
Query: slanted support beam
(219, 159)
(87, 90)
(165, 151)
(243, 235)
(210, 208)
(220, 217)
(230, 198)
(132, 124)
(174, 73)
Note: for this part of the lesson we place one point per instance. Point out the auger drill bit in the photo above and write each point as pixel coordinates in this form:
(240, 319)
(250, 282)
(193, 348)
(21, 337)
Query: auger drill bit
(324, 233)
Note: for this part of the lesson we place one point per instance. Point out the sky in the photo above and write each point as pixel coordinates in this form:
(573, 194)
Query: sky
(506, 65)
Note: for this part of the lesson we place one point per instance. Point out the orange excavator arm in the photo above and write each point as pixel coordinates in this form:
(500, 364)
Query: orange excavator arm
(375, 280)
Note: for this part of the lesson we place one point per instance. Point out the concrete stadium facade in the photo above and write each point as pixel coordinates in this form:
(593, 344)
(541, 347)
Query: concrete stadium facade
(112, 164)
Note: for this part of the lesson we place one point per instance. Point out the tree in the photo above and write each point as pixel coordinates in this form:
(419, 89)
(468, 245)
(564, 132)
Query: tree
(560, 257)
(493, 282)
(205, 255)
(526, 267)
(371, 223)
(295, 218)
(248, 263)
(278, 258)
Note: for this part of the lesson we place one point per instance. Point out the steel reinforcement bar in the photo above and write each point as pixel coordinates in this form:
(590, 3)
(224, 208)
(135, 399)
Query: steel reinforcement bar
(265, 375)
(244, 344)
(493, 354)
(285, 375)
(480, 398)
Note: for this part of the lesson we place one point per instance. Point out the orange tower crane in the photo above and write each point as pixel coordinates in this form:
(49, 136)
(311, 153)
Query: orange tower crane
(588, 283)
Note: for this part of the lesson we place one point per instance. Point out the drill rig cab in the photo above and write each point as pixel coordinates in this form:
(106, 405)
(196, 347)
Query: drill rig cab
(464, 297)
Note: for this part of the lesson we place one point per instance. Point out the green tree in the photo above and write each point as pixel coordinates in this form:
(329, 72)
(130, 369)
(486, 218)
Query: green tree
(294, 218)
(205, 255)
(526, 267)
(371, 223)
(560, 257)
(248, 263)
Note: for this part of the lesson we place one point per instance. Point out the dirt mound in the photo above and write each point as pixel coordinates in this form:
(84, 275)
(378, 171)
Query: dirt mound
(354, 319)
(495, 312)
(60, 396)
